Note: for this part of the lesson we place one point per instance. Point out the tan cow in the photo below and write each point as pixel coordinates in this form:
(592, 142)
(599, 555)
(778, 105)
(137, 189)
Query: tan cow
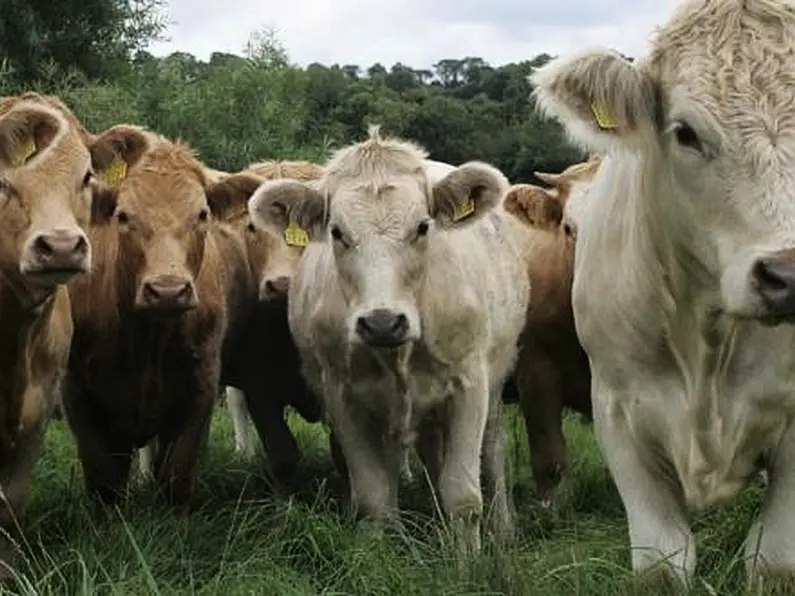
(684, 276)
(405, 323)
(552, 371)
(45, 190)
(151, 318)
(265, 363)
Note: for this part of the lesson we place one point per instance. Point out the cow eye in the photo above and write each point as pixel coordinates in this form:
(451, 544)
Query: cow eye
(422, 228)
(122, 217)
(338, 236)
(686, 136)
(204, 215)
(567, 229)
(250, 227)
(87, 178)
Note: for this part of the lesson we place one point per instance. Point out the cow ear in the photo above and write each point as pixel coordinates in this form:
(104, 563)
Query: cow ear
(600, 98)
(228, 197)
(533, 206)
(289, 208)
(117, 149)
(25, 130)
(467, 193)
(103, 204)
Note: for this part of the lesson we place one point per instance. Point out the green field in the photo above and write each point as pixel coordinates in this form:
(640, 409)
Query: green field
(243, 539)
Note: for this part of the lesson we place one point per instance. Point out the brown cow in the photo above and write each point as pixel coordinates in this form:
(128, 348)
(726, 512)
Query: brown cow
(265, 364)
(552, 370)
(45, 198)
(151, 319)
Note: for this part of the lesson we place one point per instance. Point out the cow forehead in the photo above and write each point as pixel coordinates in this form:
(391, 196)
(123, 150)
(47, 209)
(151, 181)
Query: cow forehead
(733, 61)
(162, 197)
(389, 200)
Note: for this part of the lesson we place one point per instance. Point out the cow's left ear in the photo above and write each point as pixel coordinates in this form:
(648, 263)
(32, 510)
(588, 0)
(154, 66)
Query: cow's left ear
(228, 197)
(290, 208)
(467, 193)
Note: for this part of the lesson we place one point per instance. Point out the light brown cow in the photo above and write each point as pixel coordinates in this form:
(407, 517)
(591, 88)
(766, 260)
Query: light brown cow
(552, 370)
(151, 318)
(404, 324)
(45, 198)
(265, 364)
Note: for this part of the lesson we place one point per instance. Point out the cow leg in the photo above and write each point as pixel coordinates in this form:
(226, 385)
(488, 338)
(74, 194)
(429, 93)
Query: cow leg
(238, 411)
(659, 534)
(459, 478)
(266, 408)
(146, 459)
(770, 545)
(500, 510)
(178, 455)
(430, 446)
(542, 408)
(15, 489)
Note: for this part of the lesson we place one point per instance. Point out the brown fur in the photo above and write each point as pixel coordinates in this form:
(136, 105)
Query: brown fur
(297, 170)
(49, 191)
(263, 360)
(552, 370)
(134, 375)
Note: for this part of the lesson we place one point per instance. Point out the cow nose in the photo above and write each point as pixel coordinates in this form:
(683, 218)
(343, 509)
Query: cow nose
(774, 281)
(383, 328)
(61, 249)
(168, 292)
(274, 288)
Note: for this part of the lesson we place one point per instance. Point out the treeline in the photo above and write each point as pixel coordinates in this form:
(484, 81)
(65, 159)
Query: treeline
(235, 110)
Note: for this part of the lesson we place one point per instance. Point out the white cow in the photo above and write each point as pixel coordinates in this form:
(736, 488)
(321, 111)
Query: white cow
(684, 287)
(406, 309)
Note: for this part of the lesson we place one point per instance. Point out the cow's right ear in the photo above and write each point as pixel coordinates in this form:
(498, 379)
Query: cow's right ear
(600, 98)
(117, 149)
(533, 206)
(103, 204)
(228, 197)
(25, 130)
(289, 208)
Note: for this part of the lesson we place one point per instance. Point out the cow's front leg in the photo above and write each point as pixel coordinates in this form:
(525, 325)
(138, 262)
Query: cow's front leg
(660, 538)
(179, 450)
(459, 478)
(770, 545)
(500, 514)
(238, 411)
(373, 462)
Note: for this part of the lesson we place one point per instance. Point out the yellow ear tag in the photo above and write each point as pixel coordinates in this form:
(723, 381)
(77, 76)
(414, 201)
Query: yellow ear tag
(603, 118)
(461, 212)
(25, 151)
(115, 172)
(295, 236)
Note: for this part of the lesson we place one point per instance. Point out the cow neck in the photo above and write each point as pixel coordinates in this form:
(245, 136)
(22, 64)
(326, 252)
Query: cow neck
(20, 321)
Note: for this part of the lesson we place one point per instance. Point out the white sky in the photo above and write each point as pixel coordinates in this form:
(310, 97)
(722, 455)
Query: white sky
(417, 33)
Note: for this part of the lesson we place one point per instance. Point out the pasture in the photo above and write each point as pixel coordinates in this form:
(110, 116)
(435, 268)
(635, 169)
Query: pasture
(243, 539)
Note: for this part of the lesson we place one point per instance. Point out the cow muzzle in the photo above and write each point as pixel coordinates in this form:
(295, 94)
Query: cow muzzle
(169, 294)
(55, 257)
(383, 328)
(274, 288)
(773, 279)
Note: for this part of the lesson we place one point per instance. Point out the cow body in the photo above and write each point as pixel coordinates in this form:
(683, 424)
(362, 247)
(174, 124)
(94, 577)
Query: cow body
(151, 320)
(552, 371)
(406, 330)
(683, 286)
(45, 189)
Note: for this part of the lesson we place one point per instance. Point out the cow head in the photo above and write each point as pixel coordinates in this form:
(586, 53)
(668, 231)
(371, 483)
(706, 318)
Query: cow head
(272, 259)
(154, 197)
(45, 193)
(702, 134)
(542, 210)
(379, 215)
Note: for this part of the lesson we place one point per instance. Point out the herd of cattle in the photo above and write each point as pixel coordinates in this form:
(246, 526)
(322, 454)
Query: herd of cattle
(402, 301)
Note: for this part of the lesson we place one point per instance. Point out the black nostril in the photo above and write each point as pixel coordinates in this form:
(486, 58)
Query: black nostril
(184, 292)
(767, 278)
(43, 247)
(150, 291)
(82, 245)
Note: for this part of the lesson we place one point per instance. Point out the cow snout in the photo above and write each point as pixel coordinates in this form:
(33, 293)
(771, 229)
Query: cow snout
(274, 288)
(168, 293)
(774, 281)
(383, 328)
(56, 255)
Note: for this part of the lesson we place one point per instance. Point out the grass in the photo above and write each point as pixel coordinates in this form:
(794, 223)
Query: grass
(245, 540)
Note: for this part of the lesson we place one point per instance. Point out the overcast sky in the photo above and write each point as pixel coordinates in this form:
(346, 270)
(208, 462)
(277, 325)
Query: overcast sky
(417, 33)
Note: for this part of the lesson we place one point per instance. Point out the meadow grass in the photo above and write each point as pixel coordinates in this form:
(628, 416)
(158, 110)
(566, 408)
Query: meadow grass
(244, 539)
